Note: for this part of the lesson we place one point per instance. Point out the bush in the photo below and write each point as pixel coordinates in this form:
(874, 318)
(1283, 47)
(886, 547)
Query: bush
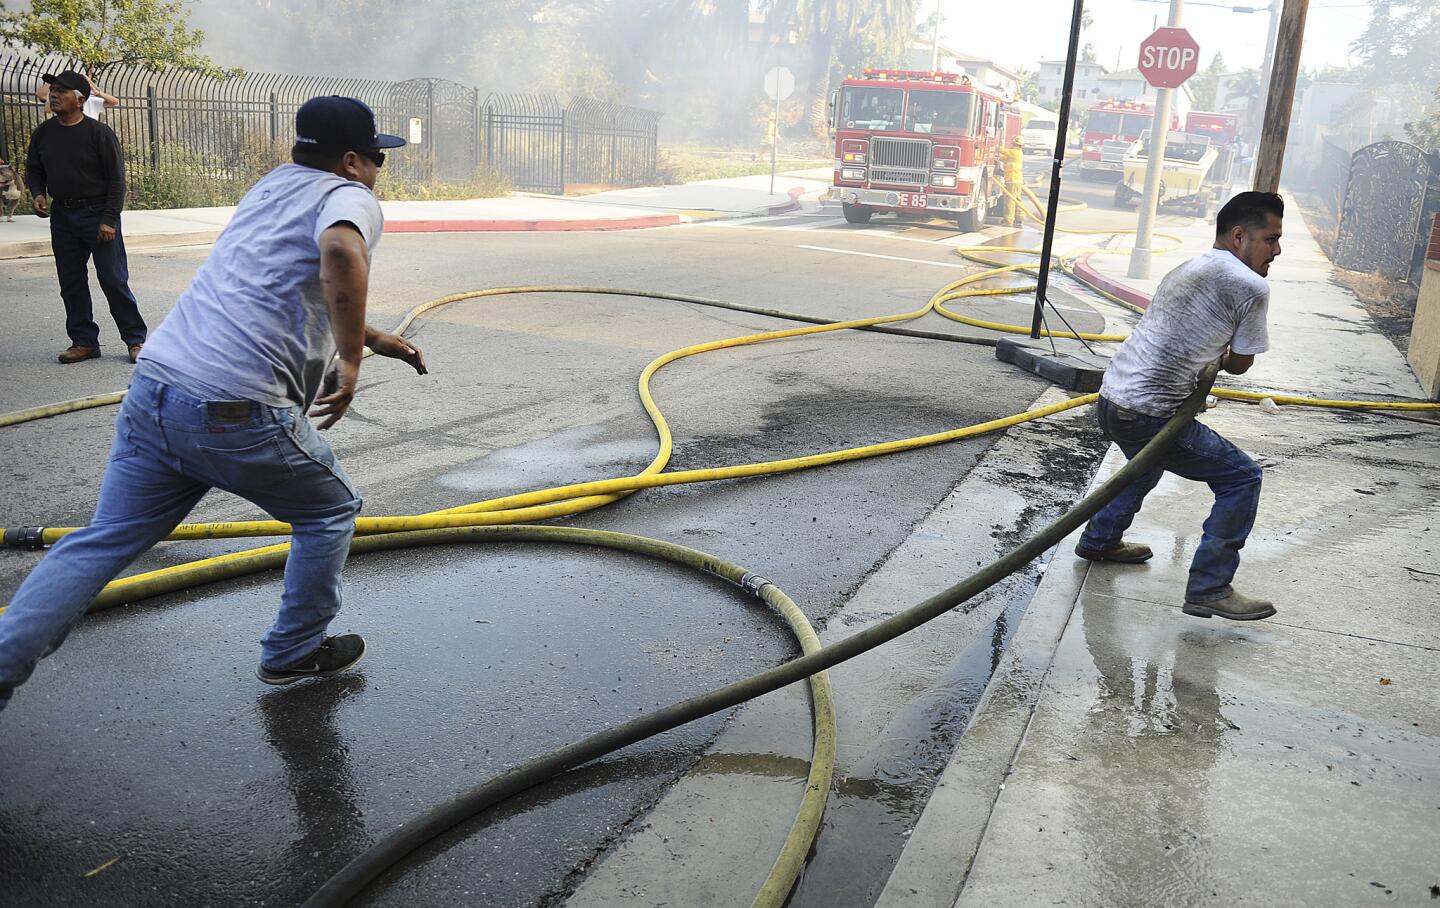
(483, 183)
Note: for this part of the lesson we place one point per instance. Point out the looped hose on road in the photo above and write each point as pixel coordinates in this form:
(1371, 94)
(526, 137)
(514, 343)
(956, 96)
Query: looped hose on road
(496, 519)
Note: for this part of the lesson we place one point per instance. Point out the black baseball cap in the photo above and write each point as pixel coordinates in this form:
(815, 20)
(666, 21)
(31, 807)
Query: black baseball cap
(69, 79)
(335, 123)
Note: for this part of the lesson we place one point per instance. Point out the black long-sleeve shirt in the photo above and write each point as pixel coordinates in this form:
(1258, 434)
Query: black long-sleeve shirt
(83, 161)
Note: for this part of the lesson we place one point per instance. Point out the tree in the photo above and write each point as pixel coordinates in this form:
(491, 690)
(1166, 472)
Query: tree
(102, 33)
(1206, 84)
(843, 35)
(1425, 131)
(1029, 85)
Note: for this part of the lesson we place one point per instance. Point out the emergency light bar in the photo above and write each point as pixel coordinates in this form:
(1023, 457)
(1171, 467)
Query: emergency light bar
(913, 75)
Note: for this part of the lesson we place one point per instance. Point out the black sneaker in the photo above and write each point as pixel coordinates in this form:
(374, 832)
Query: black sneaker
(333, 656)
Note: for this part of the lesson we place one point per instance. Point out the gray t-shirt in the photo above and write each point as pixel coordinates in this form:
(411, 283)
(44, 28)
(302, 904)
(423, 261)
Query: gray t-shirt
(1209, 303)
(253, 322)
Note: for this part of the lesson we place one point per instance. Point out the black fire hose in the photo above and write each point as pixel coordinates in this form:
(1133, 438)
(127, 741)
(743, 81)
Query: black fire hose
(364, 868)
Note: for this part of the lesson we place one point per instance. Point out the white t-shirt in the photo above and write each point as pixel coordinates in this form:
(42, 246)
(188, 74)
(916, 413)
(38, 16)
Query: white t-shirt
(1209, 303)
(94, 106)
(254, 323)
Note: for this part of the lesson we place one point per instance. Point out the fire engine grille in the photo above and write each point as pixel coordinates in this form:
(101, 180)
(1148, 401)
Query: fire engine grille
(905, 154)
(898, 177)
(1112, 151)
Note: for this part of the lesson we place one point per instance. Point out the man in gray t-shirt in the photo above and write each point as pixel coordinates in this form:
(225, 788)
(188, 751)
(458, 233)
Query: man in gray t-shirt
(219, 400)
(1212, 306)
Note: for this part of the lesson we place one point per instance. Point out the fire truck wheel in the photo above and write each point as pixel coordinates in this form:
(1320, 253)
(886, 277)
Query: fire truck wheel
(856, 214)
(974, 218)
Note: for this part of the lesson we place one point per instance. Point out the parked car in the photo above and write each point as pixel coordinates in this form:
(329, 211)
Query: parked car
(1038, 135)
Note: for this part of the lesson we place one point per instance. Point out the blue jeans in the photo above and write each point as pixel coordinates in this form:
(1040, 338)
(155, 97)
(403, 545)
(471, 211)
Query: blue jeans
(1200, 455)
(74, 238)
(170, 449)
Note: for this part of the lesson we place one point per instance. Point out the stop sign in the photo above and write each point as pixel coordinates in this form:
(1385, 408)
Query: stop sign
(1169, 57)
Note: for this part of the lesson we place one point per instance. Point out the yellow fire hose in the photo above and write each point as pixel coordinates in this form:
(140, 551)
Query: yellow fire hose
(493, 519)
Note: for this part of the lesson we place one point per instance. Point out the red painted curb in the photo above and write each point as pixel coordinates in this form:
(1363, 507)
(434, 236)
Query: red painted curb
(1085, 272)
(637, 223)
(792, 205)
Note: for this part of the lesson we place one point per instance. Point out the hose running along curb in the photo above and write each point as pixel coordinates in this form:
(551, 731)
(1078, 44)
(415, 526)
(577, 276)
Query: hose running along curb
(352, 879)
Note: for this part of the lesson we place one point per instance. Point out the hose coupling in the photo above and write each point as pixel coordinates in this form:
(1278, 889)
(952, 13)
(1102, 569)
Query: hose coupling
(24, 538)
(751, 583)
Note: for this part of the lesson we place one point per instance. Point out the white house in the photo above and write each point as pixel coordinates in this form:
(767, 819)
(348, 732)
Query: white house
(1087, 83)
(980, 70)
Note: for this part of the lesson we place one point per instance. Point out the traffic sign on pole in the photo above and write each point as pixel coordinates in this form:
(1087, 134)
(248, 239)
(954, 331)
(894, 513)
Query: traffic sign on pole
(779, 83)
(1169, 57)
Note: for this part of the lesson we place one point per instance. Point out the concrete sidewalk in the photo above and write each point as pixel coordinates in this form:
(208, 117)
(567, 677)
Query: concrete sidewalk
(621, 209)
(1126, 754)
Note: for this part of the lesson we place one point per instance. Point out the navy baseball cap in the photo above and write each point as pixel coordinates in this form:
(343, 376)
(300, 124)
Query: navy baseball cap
(334, 123)
(69, 79)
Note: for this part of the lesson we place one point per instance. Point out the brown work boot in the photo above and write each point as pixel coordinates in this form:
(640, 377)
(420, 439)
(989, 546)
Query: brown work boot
(1234, 606)
(1123, 552)
(77, 353)
(135, 351)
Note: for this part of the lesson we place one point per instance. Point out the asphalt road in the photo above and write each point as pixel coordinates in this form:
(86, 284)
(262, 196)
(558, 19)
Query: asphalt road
(146, 739)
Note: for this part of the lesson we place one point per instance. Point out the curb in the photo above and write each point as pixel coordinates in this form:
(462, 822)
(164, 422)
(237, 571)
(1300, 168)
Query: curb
(786, 207)
(557, 224)
(41, 248)
(1088, 273)
(936, 861)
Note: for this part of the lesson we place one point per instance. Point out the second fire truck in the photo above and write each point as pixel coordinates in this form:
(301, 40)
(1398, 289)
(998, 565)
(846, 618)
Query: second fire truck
(913, 142)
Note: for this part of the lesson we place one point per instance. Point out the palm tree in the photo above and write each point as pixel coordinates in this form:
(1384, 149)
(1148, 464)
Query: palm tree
(859, 28)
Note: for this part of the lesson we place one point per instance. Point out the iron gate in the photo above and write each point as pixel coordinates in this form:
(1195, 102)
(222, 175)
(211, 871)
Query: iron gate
(1383, 203)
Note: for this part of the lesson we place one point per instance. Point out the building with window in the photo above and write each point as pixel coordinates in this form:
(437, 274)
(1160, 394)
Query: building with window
(1087, 83)
(980, 70)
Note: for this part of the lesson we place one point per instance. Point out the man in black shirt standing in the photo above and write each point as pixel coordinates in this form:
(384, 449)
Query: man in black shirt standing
(76, 173)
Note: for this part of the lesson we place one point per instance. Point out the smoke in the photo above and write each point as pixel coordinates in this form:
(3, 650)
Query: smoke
(699, 63)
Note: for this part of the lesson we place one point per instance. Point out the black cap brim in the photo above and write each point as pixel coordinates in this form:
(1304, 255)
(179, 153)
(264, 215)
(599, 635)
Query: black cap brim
(385, 140)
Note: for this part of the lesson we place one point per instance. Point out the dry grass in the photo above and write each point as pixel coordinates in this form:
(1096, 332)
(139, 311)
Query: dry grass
(687, 163)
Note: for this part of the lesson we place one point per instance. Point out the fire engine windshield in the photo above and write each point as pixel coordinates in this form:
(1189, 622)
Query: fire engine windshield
(940, 112)
(1118, 124)
(872, 108)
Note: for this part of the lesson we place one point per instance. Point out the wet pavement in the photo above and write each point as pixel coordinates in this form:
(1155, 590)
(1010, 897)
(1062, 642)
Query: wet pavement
(147, 742)
(1129, 755)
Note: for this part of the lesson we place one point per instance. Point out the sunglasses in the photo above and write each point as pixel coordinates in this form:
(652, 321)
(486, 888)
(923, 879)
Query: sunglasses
(378, 157)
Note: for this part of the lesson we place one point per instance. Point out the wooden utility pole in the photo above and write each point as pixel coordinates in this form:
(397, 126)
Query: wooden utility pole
(1271, 153)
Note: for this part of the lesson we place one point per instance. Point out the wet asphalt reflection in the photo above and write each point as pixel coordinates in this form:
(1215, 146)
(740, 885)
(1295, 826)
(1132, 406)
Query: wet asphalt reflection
(146, 740)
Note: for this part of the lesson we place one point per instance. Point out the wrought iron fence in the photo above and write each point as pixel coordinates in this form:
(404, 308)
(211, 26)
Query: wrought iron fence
(209, 139)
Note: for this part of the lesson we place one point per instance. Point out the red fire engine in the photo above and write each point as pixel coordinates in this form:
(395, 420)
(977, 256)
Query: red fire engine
(1110, 128)
(919, 141)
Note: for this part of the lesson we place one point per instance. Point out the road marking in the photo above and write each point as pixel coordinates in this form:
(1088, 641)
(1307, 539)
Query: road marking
(876, 255)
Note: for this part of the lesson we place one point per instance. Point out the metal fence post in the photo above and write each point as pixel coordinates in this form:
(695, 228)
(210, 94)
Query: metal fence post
(475, 124)
(274, 118)
(564, 128)
(152, 114)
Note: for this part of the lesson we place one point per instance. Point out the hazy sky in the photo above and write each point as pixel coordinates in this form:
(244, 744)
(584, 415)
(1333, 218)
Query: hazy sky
(1120, 26)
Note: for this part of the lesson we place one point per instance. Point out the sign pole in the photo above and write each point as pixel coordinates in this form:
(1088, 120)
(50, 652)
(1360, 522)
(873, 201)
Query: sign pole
(1140, 254)
(1042, 282)
(774, 142)
(779, 83)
